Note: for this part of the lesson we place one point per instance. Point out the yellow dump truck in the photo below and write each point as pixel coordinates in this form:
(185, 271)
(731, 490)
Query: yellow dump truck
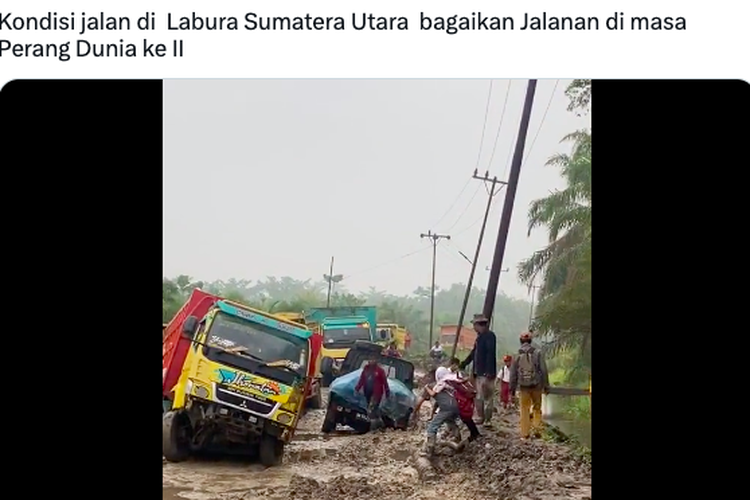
(388, 332)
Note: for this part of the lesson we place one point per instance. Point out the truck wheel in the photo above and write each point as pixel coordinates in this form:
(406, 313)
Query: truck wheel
(326, 369)
(271, 451)
(175, 442)
(362, 427)
(316, 401)
(329, 422)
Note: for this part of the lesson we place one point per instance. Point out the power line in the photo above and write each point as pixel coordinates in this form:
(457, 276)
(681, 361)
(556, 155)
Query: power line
(494, 210)
(544, 116)
(452, 204)
(484, 125)
(471, 201)
(367, 270)
(499, 127)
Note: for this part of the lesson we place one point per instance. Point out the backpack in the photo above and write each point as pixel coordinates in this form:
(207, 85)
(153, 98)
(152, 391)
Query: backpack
(528, 376)
(464, 394)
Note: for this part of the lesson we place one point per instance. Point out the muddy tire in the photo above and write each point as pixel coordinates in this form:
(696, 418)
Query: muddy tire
(175, 442)
(329, 422)
(271, 451)
(316, 401)
(326, 369)
(362, 427)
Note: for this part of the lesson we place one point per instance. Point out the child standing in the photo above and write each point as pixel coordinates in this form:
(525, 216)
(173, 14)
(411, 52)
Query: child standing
(504, 377)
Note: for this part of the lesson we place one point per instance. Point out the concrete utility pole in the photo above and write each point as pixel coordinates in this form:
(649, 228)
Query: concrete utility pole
(469, 284)
(510, 196)
(435, 238)
(492, 319)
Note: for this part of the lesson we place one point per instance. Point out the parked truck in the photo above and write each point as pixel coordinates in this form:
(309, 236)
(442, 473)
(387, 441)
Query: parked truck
(340, 328)
(314, 397)
(242, 380)
(390, 332)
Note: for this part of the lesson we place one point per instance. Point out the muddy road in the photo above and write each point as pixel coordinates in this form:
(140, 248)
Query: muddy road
(381, 465)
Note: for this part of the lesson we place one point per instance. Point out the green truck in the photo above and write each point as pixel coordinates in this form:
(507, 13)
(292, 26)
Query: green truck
(341, 327)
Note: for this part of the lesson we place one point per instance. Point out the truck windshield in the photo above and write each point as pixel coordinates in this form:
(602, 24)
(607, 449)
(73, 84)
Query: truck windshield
(344, 335)
(258, 342)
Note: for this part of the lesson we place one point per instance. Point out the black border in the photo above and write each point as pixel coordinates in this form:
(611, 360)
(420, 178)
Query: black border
(668, 186)
(83, 169)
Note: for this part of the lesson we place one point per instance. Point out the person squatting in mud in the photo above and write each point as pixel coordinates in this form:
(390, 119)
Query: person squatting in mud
(373, 382)
(454, 400)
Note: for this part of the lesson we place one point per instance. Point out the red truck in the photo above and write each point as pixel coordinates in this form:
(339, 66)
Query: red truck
(174, 345)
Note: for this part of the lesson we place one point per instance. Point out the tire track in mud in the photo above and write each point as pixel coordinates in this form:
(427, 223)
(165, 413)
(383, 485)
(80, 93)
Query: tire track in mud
(380, 465)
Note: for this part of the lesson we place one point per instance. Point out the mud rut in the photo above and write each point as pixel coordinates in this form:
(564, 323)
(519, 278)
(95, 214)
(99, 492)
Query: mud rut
(382, 465)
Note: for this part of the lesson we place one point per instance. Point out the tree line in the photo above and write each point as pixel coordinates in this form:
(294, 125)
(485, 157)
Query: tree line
(274, 294)
(563, 267)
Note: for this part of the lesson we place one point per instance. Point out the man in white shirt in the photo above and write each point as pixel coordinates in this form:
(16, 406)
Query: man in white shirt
(437, 351)
(504, 377)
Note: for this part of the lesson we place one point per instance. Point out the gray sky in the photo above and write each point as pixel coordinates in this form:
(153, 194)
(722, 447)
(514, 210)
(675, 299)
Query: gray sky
(273, 177)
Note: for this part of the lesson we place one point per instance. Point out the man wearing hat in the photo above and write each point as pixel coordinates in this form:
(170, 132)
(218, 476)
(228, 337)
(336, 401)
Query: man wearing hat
(484, 368)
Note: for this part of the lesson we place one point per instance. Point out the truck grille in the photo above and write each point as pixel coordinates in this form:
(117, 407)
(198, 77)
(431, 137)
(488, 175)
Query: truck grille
(256, 404)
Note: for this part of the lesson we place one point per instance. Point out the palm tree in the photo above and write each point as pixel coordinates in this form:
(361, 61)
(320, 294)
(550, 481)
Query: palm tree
(564, 310)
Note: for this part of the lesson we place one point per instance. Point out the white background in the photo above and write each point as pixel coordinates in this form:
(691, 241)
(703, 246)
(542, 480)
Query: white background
(713, 46)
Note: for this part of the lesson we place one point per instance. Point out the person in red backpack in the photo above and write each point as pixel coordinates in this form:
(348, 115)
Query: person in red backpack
(454, 401)
(464, 393)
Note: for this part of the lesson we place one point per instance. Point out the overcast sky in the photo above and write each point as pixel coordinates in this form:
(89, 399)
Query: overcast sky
(273, 177)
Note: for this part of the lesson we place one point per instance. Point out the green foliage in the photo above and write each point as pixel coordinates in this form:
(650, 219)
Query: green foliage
(563, 315)
(412, 311)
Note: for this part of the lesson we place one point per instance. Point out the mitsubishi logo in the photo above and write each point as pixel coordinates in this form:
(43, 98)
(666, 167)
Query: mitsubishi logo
(243, 404)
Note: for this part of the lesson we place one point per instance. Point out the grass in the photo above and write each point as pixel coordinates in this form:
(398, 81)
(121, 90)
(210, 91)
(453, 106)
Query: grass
(579, 407)
(553, 434)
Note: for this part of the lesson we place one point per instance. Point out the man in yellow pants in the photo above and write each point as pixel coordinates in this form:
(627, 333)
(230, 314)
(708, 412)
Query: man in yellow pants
(528, 374)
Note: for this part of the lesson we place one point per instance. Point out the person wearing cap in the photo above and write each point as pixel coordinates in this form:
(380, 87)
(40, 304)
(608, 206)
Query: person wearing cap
(528, 373)
(504, 376)
(484, 368)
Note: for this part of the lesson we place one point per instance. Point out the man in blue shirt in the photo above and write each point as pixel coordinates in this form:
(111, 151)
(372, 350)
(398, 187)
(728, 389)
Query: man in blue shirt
(484, 359)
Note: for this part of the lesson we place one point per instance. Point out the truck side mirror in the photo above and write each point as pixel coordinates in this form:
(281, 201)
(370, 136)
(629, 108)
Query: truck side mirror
(189, 327)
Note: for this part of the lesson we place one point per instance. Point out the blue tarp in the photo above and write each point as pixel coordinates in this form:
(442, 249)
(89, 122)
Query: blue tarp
(395, 407)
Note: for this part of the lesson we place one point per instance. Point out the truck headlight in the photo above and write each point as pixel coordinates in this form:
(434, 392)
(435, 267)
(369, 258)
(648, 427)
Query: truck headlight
(201, 392)
(284, 418)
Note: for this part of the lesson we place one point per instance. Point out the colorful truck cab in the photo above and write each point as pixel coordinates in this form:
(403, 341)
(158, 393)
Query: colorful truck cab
(341, 327)
(242, 384)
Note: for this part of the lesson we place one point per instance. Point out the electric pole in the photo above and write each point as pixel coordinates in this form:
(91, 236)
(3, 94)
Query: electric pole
(492, 319)
(331, 279)
(435, 238)
(510, 196)
(462, 315)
